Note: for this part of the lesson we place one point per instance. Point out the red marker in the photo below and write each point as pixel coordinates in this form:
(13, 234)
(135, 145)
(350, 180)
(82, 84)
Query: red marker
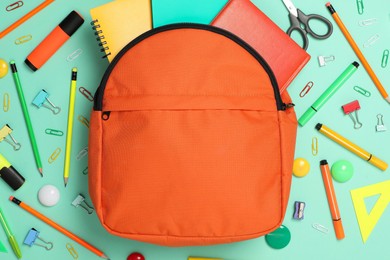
(54, 41)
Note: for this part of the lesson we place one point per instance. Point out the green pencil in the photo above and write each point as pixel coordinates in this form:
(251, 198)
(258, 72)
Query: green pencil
(11, 238)
(26, 116)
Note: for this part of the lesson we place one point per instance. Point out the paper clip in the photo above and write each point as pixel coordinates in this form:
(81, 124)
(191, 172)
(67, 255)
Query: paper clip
(54, 155)
(33, 235)
(85, 171)
(84, 121)
(320, 228)
(385, 58)
(74, 55)
(72, 251)
(323, 60)
(380, 127)
(306, 89)
(40, 99)
(86, 93)
(55, 132)
(314, 146)
(368, 22)
(6, 102)
(353, 106)
(14, 6)
(82, 153)
(4, 133)
(362, 91)
(371, 41)
(360, 6)
(298, 210)
(80, 201)
(23, 39)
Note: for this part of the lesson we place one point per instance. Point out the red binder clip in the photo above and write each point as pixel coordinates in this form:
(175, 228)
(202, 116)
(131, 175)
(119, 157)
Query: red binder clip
(354, 106)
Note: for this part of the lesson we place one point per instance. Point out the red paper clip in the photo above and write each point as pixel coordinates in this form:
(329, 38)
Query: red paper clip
(14, 6)
(86, 93)
(306, 89)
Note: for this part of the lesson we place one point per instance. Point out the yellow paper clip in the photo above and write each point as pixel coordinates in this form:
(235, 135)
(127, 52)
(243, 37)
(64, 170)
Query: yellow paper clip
(6, 102)
(14, 6)
(360, 6)
(50, 131)
(54, 155)
(85, 171)
(362, 91)
(385, 58)
(314, 146)
(23, 39)
(306, 89)
(6, 131)
(368, 22)
(371, 41)
(84, 121)
(74, 55)
(86, 93)
(82, 153)
(72, 251)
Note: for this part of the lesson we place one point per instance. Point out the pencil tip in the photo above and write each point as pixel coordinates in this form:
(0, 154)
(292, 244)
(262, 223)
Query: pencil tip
(40, 171)
(105, 257)
(65, 181)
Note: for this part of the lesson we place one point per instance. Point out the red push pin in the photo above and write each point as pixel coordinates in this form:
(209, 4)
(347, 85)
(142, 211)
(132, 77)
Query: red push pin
(354, 106)
(135, 256)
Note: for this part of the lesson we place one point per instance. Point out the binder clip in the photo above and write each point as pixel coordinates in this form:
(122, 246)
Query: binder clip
(380, 127)
(80, 201)
(298, 210)
(6, 131)
(322, 60)
(40, 99)
(353, 107)
(33, 235)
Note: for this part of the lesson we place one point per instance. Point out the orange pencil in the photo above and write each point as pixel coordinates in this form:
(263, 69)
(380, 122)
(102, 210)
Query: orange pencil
(58, 227)
(25, 18)
(358, 52)
(330, 194)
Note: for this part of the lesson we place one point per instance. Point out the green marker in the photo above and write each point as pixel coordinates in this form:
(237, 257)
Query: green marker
(11, 238)
(328, 93)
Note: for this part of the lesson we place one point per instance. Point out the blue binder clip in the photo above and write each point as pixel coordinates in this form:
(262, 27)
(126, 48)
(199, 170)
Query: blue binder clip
(4, 133)
(40, 100)
(33, 235)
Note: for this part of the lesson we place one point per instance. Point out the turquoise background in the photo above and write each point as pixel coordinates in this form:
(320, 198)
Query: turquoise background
(306, 242)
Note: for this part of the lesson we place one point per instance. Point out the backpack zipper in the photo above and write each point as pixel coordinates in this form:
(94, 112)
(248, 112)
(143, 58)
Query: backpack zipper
(98, 99)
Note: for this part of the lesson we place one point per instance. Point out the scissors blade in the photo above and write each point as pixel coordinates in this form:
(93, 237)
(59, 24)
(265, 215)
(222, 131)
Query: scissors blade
(291, 8)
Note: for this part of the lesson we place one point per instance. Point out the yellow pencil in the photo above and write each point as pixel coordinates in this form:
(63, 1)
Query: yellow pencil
(68, 147)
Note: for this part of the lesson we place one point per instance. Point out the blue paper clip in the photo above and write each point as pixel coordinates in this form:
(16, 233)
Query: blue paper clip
(33, 235)
(40, 99)
(4, 133)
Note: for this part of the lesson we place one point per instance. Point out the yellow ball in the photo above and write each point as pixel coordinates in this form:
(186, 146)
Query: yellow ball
(301, 167)
(3, 68)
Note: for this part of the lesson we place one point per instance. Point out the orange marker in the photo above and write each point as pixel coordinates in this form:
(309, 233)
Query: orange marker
(358, 52)
(334, 208)
(54, 40)
(58, 227)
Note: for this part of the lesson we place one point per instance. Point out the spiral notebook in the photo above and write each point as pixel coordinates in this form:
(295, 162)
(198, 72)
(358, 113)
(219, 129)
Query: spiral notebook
(118, 22)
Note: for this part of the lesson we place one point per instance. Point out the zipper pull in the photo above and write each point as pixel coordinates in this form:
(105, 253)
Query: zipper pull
(106, 115)
(287, 106)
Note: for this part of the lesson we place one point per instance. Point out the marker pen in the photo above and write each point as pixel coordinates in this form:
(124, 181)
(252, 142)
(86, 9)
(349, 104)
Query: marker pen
(9, 174)
(54, 41)
(311, 111)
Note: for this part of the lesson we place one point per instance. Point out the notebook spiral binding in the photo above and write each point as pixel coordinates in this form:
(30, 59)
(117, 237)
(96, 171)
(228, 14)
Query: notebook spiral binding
(100, 38)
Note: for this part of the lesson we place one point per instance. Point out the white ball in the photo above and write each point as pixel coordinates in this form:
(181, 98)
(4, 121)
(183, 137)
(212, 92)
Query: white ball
(49, 195)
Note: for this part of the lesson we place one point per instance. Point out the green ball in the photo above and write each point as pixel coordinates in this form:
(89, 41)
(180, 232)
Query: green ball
(279, 238)
(342, 171)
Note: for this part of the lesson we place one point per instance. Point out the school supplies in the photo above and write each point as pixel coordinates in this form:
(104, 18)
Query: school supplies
(83, 120)
(6, 102)
(42, 53)
(323, 60)
(72, 251)
(3, 249)
(380, 127)
(80, 201)
(49, 195)
(283, 55)
(54, 155)
(58, 227)
(306, 89)
(23, 39)
(314, 146)
(358, 52)
(69, 132)
(109, 22)
(32, 236)
(373, 39)
(86, 93)
(299, 208)
(351, 147)
(3, 68)
(25, 18)
(30, 129)
(135, 256)
(83, 152)
(330, 194)
(279, 238)
(301, 167)
(55, 132)
(350, 109)
(14, 6)
(9, 174)
(5, 132)
(360, 6)
(320, 228)
(362, 91)
(342, 171)
(74, 55)
(40, 100)
(11, 238)
(368, 22)
(385, 58)
(329, 92)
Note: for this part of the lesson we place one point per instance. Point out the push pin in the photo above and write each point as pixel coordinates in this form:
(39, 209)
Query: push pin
(323, 60)
(354, 106)
(40, 99)
(298, 210)
(6, 131)
(380, 127)
(33, 235)
(80, 201)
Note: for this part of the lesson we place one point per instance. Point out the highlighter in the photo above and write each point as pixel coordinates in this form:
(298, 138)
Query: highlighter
(332, 89)
(54, 41)
(9, 174)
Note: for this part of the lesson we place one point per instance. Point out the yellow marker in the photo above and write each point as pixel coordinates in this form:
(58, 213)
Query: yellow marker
(69, 132)
(352, 147)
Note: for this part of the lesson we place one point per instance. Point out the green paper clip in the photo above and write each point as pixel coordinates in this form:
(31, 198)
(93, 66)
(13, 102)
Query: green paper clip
(50, 131)
(362, 91)
(85, 172)
(385, 58)
(360, 6)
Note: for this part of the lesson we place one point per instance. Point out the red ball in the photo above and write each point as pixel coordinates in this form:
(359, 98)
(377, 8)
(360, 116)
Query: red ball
(135, 256)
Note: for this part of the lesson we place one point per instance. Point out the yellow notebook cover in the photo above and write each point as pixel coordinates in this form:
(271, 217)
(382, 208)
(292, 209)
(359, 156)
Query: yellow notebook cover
(118, 22)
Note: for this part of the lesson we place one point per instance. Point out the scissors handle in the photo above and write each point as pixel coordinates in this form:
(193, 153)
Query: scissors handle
(296, 26)
(305, 19)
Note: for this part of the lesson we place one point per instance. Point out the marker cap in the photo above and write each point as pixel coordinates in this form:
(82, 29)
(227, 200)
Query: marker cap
(338, 229)
(12, 177)
(306, 116)
(378, 163)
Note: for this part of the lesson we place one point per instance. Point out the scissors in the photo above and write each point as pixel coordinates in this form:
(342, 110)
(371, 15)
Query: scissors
(300, 22)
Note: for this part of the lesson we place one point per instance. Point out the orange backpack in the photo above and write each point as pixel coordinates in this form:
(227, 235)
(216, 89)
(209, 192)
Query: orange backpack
(190, 142)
